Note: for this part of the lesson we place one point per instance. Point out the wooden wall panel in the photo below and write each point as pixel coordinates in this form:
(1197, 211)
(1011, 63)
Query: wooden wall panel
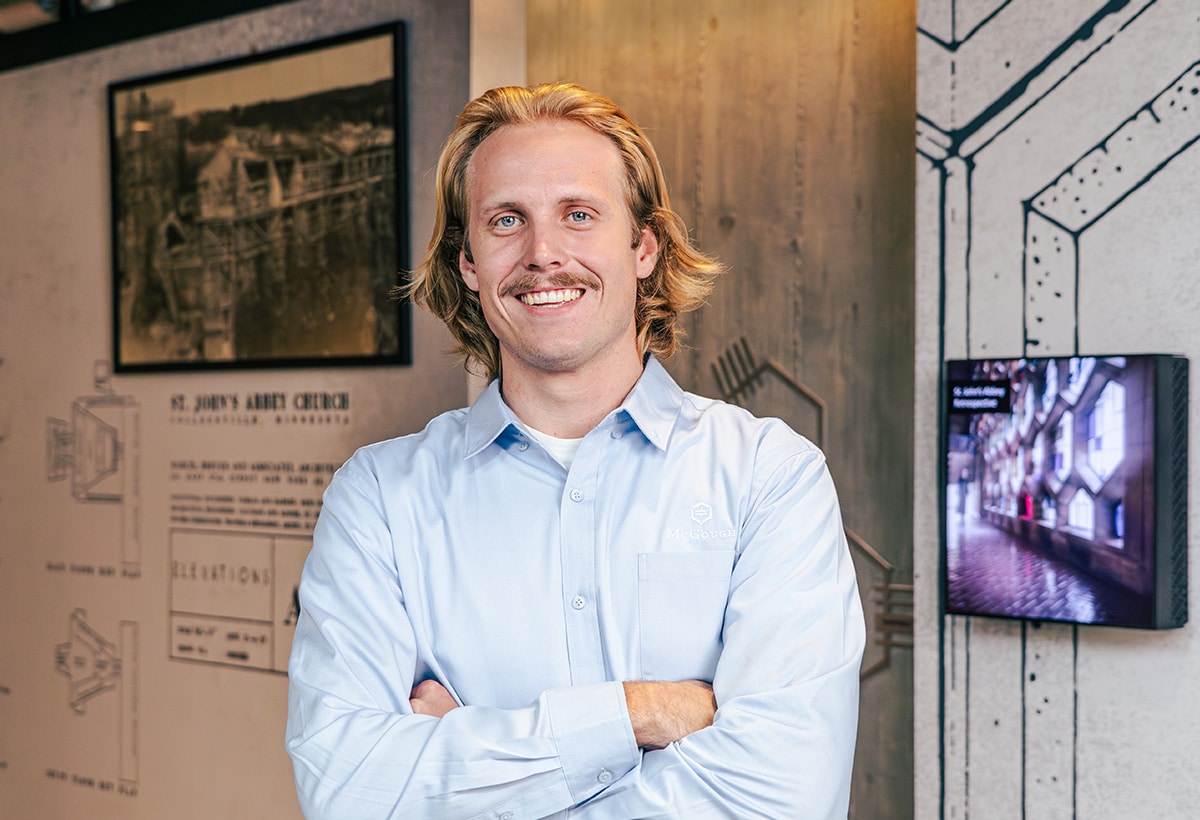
(786, 131)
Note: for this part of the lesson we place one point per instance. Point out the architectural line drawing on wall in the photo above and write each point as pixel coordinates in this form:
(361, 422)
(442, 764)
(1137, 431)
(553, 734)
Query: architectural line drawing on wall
(234, 597)
(889, 605)
(1058, 215)
(99, 452)
(1011, 68)
(739, 375)
(5, 728)
(92, 663)
(983, 67)
(955, 120)
(968, 19)
(94, 666)
(953, 126)
(4, 410)
(293, 613)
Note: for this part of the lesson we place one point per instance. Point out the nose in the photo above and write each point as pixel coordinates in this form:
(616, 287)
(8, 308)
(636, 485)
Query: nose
(545, 252)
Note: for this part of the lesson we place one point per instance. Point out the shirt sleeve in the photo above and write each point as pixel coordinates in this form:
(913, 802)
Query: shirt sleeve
(782, 742)
(357, 749)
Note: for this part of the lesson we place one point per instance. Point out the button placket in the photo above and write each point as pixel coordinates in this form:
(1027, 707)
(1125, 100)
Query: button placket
(577, 537)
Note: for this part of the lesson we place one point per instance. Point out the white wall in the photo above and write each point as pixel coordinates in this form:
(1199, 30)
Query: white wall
(1053, 721)
(164, 737)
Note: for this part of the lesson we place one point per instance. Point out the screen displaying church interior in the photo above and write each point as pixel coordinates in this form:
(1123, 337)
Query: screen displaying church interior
(1050, 493)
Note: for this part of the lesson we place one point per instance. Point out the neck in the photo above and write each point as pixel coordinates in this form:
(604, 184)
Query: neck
(567, 404)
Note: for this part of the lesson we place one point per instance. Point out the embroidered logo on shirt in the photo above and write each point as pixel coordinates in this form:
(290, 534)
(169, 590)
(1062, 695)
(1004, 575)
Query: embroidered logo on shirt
(701, 514)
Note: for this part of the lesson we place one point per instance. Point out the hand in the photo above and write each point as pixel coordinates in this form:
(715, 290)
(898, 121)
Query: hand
(431, 698)
(663, 712)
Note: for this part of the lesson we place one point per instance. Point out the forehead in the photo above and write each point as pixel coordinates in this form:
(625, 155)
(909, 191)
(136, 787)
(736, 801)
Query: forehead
(553, 156)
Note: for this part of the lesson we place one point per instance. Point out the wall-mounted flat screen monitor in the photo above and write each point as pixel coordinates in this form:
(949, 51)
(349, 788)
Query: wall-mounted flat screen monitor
(1066, 489)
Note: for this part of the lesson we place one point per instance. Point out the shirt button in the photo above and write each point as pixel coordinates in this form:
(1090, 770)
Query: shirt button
(577, 495)
(508, 815)
(604, 776)
(578, 602)
(616, 434)
(524, 445)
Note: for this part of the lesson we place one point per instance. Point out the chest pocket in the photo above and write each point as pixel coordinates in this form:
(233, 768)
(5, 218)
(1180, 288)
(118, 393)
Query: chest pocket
(681, 608)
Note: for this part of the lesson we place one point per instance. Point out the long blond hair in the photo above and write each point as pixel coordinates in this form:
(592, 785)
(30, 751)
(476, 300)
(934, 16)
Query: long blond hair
(680, 281)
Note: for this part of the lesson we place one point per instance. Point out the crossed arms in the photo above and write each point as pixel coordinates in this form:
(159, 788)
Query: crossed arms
(660, 712)
(373, 734)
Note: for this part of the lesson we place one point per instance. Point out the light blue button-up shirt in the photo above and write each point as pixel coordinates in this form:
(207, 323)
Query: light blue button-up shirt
(688, 540)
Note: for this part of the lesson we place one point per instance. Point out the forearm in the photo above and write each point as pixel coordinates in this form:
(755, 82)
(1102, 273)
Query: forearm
(781, 744)
(781, 754)
(535, 761)
(357, 747)
(662, 712)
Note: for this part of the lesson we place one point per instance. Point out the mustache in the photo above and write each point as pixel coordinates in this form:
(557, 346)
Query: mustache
(560, 279)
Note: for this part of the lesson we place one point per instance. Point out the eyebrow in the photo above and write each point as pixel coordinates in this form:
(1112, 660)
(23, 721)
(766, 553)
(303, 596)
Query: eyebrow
(508, 204)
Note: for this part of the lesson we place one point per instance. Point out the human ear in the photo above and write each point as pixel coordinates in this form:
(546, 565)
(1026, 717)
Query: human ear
(466, 268)
(647, 252)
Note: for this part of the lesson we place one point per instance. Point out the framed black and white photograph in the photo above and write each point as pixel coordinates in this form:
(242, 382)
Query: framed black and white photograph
(259, 211)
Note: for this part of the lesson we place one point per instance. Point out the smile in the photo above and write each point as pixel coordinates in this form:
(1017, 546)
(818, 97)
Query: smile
(551, 297)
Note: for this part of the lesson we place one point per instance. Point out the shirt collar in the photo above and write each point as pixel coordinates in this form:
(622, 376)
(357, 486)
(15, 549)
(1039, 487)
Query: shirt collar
(653, 405)
(488, 417)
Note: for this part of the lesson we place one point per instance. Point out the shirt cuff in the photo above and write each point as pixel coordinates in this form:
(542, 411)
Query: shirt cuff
(595, 739)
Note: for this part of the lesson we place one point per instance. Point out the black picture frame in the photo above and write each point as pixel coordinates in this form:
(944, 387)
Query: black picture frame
(260, 212)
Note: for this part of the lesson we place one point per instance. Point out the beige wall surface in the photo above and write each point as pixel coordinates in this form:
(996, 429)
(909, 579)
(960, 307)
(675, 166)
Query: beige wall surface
(1075, 121)
(112, 703)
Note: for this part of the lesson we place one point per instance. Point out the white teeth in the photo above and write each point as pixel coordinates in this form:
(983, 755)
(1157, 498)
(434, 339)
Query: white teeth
(549, 297)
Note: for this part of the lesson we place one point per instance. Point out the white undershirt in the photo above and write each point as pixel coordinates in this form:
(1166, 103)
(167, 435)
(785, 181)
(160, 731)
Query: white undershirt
(563, 449)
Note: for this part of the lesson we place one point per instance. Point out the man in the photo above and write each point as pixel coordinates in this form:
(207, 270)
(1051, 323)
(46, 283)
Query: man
(591, 594)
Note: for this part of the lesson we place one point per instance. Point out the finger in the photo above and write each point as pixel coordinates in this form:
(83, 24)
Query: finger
(428, 689)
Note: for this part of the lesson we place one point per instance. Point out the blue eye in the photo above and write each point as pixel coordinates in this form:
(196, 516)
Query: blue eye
(578, 216)
(506, 221)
